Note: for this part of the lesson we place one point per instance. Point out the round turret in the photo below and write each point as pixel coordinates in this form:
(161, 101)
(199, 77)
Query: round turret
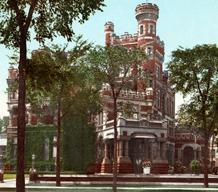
(109, 27)
(146, 11)
(109, 30)
(147, 15)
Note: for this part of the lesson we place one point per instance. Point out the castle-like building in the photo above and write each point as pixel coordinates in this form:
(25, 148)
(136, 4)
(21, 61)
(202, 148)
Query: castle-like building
(150, 133)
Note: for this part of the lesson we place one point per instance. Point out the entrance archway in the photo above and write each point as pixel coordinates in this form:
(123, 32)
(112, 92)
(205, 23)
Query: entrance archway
(188, 155)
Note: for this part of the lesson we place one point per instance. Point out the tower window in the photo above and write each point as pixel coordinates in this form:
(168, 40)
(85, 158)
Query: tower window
(151, 29)
(149, 50)
(141, 30)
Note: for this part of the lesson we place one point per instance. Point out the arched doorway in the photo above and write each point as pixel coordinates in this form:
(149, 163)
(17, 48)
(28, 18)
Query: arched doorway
(140, 148)
(188, 155)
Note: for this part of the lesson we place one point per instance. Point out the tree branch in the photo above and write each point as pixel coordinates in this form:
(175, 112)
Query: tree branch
(198, 83)
(13, 5)
(30, 13)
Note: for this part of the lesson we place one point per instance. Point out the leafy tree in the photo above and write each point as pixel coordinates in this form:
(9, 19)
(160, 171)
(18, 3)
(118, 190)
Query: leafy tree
(114, 66)
(194, 73)
(54, 72)
(79, 131)
(47, 19)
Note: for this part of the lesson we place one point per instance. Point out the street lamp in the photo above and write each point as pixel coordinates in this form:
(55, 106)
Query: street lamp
(33, 161)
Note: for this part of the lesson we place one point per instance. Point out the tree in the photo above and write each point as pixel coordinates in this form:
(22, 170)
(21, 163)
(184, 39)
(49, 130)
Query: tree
(47, 19)
(194, 73)
(54, 73)
(79, 130)
(115, 66)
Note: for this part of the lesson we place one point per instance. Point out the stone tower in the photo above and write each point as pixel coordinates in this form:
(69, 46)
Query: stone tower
(146, 15)
(109, 30)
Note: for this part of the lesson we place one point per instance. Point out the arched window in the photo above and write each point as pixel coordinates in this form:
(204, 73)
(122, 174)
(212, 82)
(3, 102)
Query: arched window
(151, 29)
(141, 30)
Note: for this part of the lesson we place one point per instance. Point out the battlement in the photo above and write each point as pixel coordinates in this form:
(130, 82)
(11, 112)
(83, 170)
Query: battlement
(125, 38)
(129, 94)
(147, 11)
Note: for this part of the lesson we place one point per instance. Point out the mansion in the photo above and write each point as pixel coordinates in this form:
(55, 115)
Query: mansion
(150, 134)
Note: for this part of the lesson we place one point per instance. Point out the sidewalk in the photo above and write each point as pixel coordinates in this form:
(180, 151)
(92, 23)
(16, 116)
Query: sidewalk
(9, 185)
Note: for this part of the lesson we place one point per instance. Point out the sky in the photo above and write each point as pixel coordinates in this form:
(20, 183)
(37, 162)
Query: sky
(183, 23)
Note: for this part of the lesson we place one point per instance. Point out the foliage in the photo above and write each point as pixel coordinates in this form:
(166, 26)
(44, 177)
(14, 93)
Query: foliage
(195, 166)
(47, 19)
(35, 144)
(146, 163)
(80, 152)
(78, 127)
(127, 109)
(67, 83)
(113, 63)
(39, 15)
(57, 66)
(194, 73)
(9, 153)
(198, 81)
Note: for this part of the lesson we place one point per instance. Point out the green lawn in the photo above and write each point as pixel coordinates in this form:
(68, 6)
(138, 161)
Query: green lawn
(12, 176)
(9, 176)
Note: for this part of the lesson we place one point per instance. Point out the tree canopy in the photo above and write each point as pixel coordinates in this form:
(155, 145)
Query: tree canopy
(194, 73)
(47, 19)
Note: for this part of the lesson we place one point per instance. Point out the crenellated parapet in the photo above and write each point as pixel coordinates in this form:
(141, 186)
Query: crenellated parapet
(147, 11)
(126, 38)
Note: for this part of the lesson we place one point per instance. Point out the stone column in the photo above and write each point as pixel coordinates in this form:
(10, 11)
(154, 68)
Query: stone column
(164, 151)
(106, 166)
(195, 154)
(127, 149)
(159, 164)
(124, 163)
(151, 152)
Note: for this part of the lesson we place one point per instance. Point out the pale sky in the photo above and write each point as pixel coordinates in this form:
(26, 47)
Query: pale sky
(183, 23)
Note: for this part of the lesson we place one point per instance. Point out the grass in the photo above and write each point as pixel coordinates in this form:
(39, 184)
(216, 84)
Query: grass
(12, 176)
(9, 176)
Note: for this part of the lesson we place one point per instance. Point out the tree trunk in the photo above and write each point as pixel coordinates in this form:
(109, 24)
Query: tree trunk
(115, 146)
(21, 121)
(58, 159)
(206, 141)
(212, 153)
(206, 160)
